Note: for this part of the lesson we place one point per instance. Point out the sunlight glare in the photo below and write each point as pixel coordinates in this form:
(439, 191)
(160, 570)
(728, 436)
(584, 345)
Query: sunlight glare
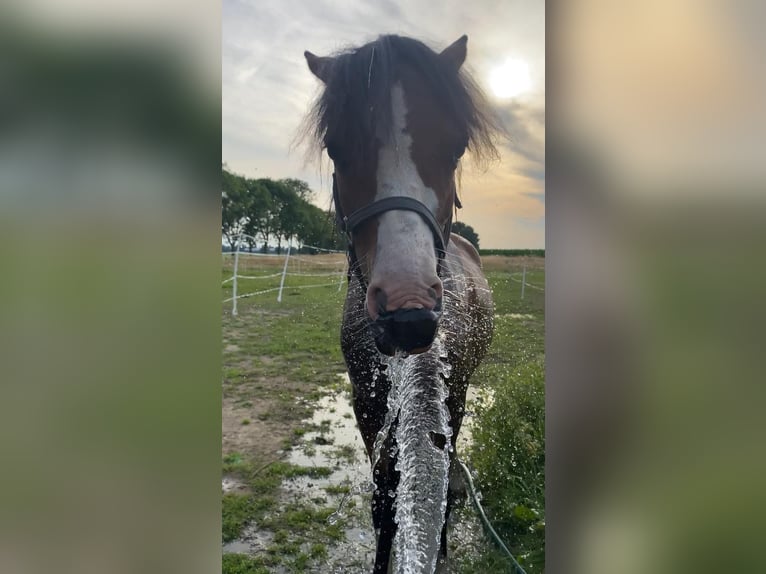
(511, 79)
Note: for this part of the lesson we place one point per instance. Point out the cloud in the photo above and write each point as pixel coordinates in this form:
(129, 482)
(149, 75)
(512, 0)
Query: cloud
(267, 89)
(526, 128)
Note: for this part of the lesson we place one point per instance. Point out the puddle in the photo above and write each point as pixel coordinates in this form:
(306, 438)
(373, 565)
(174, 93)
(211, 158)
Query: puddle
(473, 397)
(336, 415)
(338, 446)
(236, 547)
(356, 553)
(253, 541)
(231, 484)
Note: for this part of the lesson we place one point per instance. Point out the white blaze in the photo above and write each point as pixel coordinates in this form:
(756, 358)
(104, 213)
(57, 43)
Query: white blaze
(405, 242)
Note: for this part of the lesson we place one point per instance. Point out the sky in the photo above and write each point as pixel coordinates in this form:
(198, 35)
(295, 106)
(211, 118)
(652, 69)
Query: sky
(267, 90)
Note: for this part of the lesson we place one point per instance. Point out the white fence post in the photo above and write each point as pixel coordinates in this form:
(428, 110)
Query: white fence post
(234, 281)
(284, 272)
(523, 280)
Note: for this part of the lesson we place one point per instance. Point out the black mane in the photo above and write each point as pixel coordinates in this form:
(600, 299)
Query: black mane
(355, 104)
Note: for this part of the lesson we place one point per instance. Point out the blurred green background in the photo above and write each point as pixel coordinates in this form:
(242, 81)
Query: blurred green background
(110, 297)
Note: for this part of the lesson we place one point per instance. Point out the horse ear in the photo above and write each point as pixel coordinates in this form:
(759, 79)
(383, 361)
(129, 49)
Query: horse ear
(454, 54)
(319, 66)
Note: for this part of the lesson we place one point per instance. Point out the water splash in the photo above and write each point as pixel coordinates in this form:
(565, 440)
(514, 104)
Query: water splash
(397, 369)
(420, 393)
(355, 490)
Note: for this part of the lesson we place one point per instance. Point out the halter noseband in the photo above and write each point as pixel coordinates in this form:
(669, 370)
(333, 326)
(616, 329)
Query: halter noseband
(348, 224)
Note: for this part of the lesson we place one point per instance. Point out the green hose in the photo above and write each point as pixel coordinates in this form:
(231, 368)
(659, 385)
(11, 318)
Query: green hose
(485, 521)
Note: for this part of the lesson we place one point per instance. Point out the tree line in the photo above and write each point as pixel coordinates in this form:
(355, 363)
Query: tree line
(274, 212)
(277, 212)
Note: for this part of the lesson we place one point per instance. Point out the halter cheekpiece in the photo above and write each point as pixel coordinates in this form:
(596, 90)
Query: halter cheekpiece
(349, 223)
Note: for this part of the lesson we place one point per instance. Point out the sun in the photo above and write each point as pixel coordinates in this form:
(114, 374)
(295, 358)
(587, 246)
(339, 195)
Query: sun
(511, 79)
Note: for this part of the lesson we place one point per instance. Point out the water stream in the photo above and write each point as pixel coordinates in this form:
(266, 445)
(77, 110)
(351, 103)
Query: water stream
(423, 465)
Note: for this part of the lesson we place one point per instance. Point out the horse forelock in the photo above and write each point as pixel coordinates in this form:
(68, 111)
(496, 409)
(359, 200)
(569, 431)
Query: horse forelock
(354, 108)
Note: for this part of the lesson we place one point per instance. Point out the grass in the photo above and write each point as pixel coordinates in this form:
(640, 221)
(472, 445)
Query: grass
(243, 564)
(279, 358)
(295, 525)
(301, 520)
(345, 452)
(513, 252)
(337, 489)
(282, 357)
(239, 510)
(508, 449)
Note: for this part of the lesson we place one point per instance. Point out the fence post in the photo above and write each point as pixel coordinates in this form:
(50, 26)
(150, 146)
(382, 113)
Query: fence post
(284, 272)
(523, 280)
(234, 281)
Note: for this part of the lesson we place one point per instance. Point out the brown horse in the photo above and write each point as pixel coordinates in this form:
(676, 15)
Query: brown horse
(395, 118)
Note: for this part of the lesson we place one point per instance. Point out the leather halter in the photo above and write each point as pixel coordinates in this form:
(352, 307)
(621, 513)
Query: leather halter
(348, 224)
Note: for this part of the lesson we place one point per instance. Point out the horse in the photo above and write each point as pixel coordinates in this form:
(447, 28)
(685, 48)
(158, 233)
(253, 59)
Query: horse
(395, 118)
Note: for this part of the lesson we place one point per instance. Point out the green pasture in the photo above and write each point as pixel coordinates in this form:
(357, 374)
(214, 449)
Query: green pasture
(297, 341)
(508, 451)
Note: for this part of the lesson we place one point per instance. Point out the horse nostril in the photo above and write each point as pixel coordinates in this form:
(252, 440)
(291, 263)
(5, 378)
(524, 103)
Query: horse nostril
(380, 298)
(436, 291)
(405, 329)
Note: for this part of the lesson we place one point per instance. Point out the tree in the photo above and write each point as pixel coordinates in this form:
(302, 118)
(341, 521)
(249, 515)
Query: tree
(274, 211)
(292, 213)
(271, 227)
(234, 206)
(300, 187)
(319, 230)
(259, 210)
(467, 232)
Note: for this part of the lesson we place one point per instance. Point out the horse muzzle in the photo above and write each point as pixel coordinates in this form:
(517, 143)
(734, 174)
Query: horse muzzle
(409, 330)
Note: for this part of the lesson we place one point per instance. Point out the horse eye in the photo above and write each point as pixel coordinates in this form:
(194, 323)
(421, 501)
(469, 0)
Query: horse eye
(336, 155)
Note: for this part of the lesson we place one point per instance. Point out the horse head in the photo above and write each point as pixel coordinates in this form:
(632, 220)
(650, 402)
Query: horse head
(395, 118)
